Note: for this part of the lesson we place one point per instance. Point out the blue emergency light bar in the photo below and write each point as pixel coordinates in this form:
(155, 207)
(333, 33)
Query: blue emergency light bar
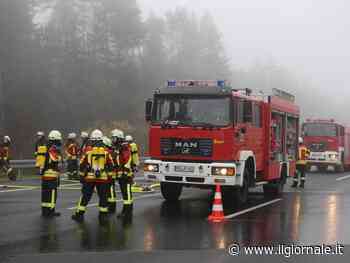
(196, 83)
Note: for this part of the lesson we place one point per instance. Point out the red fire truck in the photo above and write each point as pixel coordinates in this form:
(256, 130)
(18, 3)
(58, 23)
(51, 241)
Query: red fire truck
(204, 133)
(328, 142)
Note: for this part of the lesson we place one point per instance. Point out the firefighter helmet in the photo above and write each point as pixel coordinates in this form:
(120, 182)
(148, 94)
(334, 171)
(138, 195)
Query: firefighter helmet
(7, 139)
(72, 135)
(128, 138)
(55, 135)
(106, 141)
(96, 135)
(40, 134)
(301, 140)
(117, 134)
(84, 135)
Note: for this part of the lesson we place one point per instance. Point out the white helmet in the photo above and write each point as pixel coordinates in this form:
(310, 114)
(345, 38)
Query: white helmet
(117, 134)
(128, 138)
(301, 140)
(84, 134)
(72, 136)
(107, 141)
(55, 136)
(96, 135)
(40, 134)
(7, 139)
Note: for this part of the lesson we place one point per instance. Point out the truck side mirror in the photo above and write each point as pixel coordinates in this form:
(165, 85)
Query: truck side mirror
(148, 112)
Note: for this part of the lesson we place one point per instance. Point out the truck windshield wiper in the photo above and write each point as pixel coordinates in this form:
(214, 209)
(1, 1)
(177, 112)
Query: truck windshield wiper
(203, 124)
(169, 123)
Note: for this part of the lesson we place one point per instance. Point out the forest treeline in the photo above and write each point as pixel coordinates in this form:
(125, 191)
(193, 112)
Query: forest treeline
(74, 65)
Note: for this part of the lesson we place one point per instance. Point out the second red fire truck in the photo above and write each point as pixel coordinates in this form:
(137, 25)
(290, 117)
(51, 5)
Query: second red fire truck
(204, 133)
(328, 142)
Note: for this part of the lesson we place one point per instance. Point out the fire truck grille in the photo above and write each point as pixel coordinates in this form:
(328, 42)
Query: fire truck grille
(188, 147)
(318, 147)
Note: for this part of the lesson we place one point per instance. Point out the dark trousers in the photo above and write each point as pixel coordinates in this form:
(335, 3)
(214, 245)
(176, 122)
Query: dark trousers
(48, 196)
(72, 168)
(112, 196)
(301, 170)
(87, 192)
(125, 183)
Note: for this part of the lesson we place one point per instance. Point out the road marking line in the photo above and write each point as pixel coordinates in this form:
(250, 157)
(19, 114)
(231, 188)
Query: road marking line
(343, 178)
(18, 186)
(253, 208)
(119, 200)
(17, 190)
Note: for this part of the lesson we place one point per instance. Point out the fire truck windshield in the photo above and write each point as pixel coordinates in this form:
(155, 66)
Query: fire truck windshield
(192, 111)
(320, 129)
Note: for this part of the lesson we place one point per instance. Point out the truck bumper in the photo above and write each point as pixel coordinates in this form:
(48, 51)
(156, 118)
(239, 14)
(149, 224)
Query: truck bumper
(191, 173)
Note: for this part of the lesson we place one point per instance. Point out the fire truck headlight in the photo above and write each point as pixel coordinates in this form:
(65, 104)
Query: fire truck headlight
(333, 157)
(223, 171)
(153, 168)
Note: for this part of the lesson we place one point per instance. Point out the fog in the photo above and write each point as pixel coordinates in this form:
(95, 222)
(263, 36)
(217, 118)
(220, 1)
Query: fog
(309, 37)
(77, 65)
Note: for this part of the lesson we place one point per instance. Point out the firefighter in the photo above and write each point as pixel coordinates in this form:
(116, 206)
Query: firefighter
(303, 155)
(5, 158)
(123, 161)
(84, 136)
(72, 156)
(112, 195)
(135, 160)
(95, 165)
(40, 151)
(51, 174)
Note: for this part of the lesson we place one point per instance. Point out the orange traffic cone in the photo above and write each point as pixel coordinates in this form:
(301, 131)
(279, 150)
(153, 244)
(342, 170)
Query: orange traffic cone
(217, 214)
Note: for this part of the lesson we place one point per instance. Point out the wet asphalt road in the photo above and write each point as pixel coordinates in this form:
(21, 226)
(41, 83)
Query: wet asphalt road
(318, 214)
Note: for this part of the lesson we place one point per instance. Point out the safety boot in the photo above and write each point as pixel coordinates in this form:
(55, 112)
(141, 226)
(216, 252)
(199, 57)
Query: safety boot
(295, 184)
(126, 212)
(53, 213)
(45, 212)
(112, 207)
(302, 184)
(78, 217)
(103, 218)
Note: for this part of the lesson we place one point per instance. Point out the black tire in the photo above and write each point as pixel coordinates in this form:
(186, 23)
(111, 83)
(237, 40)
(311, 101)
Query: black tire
(339, 168)
(274, 189)
(171, 191)
(236, 196)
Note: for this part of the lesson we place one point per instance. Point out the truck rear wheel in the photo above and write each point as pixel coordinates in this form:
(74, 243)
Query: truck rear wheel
(339, 168)
(274, 189)
(171, 192)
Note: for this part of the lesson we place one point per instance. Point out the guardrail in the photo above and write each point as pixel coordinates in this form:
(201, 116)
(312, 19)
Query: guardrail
(30, 163)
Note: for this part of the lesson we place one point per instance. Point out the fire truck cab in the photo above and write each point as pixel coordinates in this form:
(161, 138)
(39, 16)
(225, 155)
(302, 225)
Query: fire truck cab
(328, 142)
(204, 133)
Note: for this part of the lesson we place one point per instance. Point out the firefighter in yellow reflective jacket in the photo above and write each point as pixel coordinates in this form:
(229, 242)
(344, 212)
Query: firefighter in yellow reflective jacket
(95, 167)
(112, 195)
(123, 166)
(51, 174)
(71, 151)
(135, 159)
(5, 158)
(40, 152)
(303, 155)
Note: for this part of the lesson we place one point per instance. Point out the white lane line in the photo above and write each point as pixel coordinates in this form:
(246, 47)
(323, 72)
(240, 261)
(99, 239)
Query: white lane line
(17, 190)
(343, 178)
(253, 208)
(119, 200)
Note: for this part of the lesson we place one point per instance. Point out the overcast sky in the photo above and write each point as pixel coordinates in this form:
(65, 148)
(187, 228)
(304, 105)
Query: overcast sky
(310, 36)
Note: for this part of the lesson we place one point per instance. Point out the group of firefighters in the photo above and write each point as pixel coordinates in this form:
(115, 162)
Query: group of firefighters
(99, 162)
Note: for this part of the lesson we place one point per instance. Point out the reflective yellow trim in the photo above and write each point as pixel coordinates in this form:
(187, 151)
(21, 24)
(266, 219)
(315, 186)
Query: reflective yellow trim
(80, 208)
(103, 209)
(112, 199)
(129, 200)
(47, 205)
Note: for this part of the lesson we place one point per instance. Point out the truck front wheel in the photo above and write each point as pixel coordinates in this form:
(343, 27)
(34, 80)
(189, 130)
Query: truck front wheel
(236, 196)
(171, 192)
